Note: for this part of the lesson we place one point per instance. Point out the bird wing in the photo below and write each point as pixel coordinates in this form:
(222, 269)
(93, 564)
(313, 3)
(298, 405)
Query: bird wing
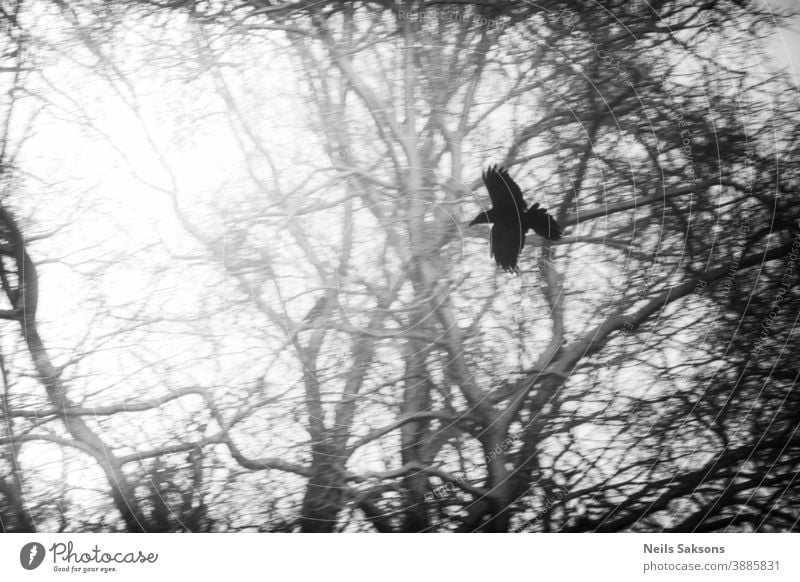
(507, 242)
(538, 220)
(505, 194)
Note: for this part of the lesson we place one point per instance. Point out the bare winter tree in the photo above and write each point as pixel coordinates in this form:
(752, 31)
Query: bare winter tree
(310, 339)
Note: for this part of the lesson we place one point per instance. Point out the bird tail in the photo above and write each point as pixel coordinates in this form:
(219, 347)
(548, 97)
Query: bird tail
(539, 221)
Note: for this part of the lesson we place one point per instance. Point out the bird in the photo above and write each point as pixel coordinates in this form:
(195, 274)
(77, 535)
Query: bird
(511, 218)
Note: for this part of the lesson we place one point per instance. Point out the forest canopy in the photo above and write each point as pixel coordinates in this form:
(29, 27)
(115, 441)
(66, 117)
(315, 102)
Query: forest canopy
(240, 293)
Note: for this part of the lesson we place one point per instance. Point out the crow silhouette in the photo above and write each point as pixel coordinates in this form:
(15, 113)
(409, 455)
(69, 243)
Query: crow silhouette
(511, 218)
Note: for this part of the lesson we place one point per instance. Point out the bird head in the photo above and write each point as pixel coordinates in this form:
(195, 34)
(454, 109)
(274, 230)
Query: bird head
(482, 218)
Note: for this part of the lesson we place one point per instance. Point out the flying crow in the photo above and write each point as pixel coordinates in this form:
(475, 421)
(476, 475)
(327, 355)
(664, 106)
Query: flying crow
(511, 220)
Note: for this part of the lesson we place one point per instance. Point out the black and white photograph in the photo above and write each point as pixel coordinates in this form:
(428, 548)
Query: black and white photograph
(399, 266)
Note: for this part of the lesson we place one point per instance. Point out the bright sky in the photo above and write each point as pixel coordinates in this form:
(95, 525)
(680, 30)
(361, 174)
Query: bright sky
(786, 44)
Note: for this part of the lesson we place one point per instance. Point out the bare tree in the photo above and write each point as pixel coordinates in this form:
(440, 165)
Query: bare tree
(345, 355)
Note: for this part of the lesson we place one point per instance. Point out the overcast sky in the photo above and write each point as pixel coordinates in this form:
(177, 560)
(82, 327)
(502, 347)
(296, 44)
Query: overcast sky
(787, 40)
